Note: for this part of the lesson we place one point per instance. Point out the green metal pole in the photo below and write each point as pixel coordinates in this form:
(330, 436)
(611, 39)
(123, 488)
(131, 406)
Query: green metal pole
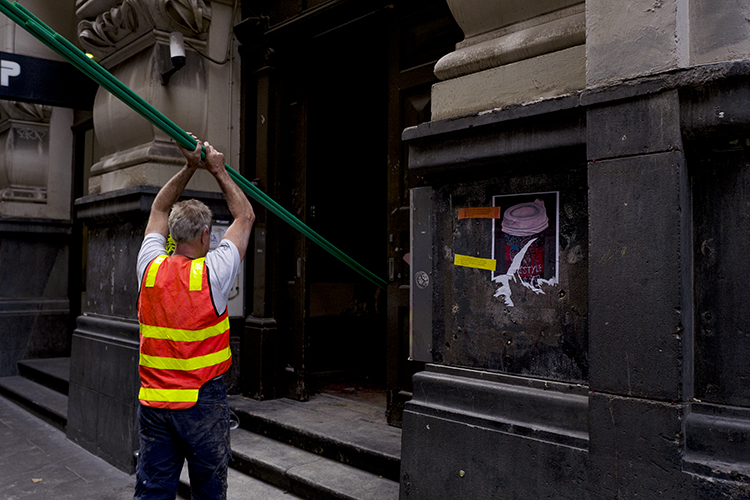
(21, 16)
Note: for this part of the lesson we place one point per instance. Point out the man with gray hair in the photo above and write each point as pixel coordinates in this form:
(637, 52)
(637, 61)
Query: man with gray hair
(184, 325)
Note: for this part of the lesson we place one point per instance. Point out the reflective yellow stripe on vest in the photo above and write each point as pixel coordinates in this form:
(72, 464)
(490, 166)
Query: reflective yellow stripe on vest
(156, 332)
(173, 395)
(196, 274)
(186, 364)
(153, 268)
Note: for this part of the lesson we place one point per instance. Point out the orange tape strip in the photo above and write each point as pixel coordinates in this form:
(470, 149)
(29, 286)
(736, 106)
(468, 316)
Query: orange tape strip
(479, 213)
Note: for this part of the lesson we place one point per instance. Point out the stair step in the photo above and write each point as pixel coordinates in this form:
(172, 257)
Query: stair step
(352, 433)
(51, 372)
(44, 402)
(306, 474)
(241, 487)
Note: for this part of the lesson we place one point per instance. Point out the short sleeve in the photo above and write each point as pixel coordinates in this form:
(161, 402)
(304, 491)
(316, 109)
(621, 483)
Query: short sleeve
(223, 265)
(154, 244)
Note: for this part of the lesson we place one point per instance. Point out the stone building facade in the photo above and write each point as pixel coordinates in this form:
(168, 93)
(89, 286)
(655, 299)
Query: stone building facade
(555, 192)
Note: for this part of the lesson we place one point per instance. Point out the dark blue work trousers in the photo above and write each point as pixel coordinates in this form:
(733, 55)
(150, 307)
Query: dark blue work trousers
(199, 434)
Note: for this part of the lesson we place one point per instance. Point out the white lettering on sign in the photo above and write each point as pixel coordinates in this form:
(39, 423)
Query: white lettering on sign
(7, 70)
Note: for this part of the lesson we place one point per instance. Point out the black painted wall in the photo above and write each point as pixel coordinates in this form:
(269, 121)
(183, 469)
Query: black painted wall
(642, 391)
(34, 305)
(542, 334)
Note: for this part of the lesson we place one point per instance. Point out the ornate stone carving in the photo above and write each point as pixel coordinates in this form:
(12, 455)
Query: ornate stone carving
(129, 19)
(24, 151)
(15, 110)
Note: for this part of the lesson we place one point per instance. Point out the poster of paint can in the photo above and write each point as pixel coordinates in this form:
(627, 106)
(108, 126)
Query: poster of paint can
(525, 238)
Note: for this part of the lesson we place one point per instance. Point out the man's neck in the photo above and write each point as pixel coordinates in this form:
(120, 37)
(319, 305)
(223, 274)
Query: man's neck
(188, 250)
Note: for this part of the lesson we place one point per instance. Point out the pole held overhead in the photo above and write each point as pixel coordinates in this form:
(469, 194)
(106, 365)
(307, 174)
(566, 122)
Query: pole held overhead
(21, 16)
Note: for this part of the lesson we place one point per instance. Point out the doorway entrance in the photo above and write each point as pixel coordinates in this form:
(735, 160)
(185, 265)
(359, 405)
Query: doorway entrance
(336, 102)
(345, 84)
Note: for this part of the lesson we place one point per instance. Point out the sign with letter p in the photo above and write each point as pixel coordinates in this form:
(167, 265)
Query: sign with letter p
(8, 69)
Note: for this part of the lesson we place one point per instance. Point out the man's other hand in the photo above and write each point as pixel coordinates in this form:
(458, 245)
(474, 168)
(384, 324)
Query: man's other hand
(214, 160)
(193, 157)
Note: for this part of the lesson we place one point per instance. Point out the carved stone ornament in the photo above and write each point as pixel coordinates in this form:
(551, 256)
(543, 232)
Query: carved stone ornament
(15, 110)
(129, 19)
(24, 151)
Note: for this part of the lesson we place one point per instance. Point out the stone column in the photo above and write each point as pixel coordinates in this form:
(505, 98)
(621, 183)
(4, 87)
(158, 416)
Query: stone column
(640, 306)
(651, 149)
(132, 40)
(513, 52)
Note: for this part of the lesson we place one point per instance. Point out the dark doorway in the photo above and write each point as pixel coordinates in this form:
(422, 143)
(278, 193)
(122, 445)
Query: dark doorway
(336, 84)
(346, 197)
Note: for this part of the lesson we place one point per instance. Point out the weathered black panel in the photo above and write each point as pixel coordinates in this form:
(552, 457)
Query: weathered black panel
(635, 449)
(111, 283)
(543, 335)
(103, 389)
(422, 274)
(721, 196)
(666, 283)
(645, 125)
(635, 294)
(34, 306)
(715, 437)
(481, 455)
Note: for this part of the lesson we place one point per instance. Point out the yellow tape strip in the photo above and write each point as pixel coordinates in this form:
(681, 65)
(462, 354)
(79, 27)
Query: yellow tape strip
(475, 262)
(153, 268)
(157, 332)
(172, 395)
(161, 363)
(196, 274)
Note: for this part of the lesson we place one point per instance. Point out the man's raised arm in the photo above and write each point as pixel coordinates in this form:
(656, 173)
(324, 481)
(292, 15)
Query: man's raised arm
(158, 220)
(240, 207)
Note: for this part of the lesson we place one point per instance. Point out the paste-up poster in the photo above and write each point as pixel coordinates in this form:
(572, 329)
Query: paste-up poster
(525, 242)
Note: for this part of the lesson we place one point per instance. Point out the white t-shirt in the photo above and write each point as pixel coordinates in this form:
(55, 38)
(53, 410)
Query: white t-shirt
(223, 265)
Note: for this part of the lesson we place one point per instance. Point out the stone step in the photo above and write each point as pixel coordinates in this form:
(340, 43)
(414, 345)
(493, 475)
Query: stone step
(46, 403)
(240, 487)
(346, 431)
(51, 372)
(306, 474)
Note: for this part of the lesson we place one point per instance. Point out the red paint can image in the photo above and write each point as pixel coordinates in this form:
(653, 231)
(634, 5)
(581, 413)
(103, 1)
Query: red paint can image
(522, 223)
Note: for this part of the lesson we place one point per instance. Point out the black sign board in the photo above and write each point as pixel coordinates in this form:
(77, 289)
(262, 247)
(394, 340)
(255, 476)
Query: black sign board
(42, 81)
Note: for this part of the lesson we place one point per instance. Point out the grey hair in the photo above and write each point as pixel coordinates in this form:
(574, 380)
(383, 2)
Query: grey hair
(188, 219)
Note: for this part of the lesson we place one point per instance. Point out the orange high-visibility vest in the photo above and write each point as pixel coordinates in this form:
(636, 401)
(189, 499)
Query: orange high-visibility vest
(184, 340)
